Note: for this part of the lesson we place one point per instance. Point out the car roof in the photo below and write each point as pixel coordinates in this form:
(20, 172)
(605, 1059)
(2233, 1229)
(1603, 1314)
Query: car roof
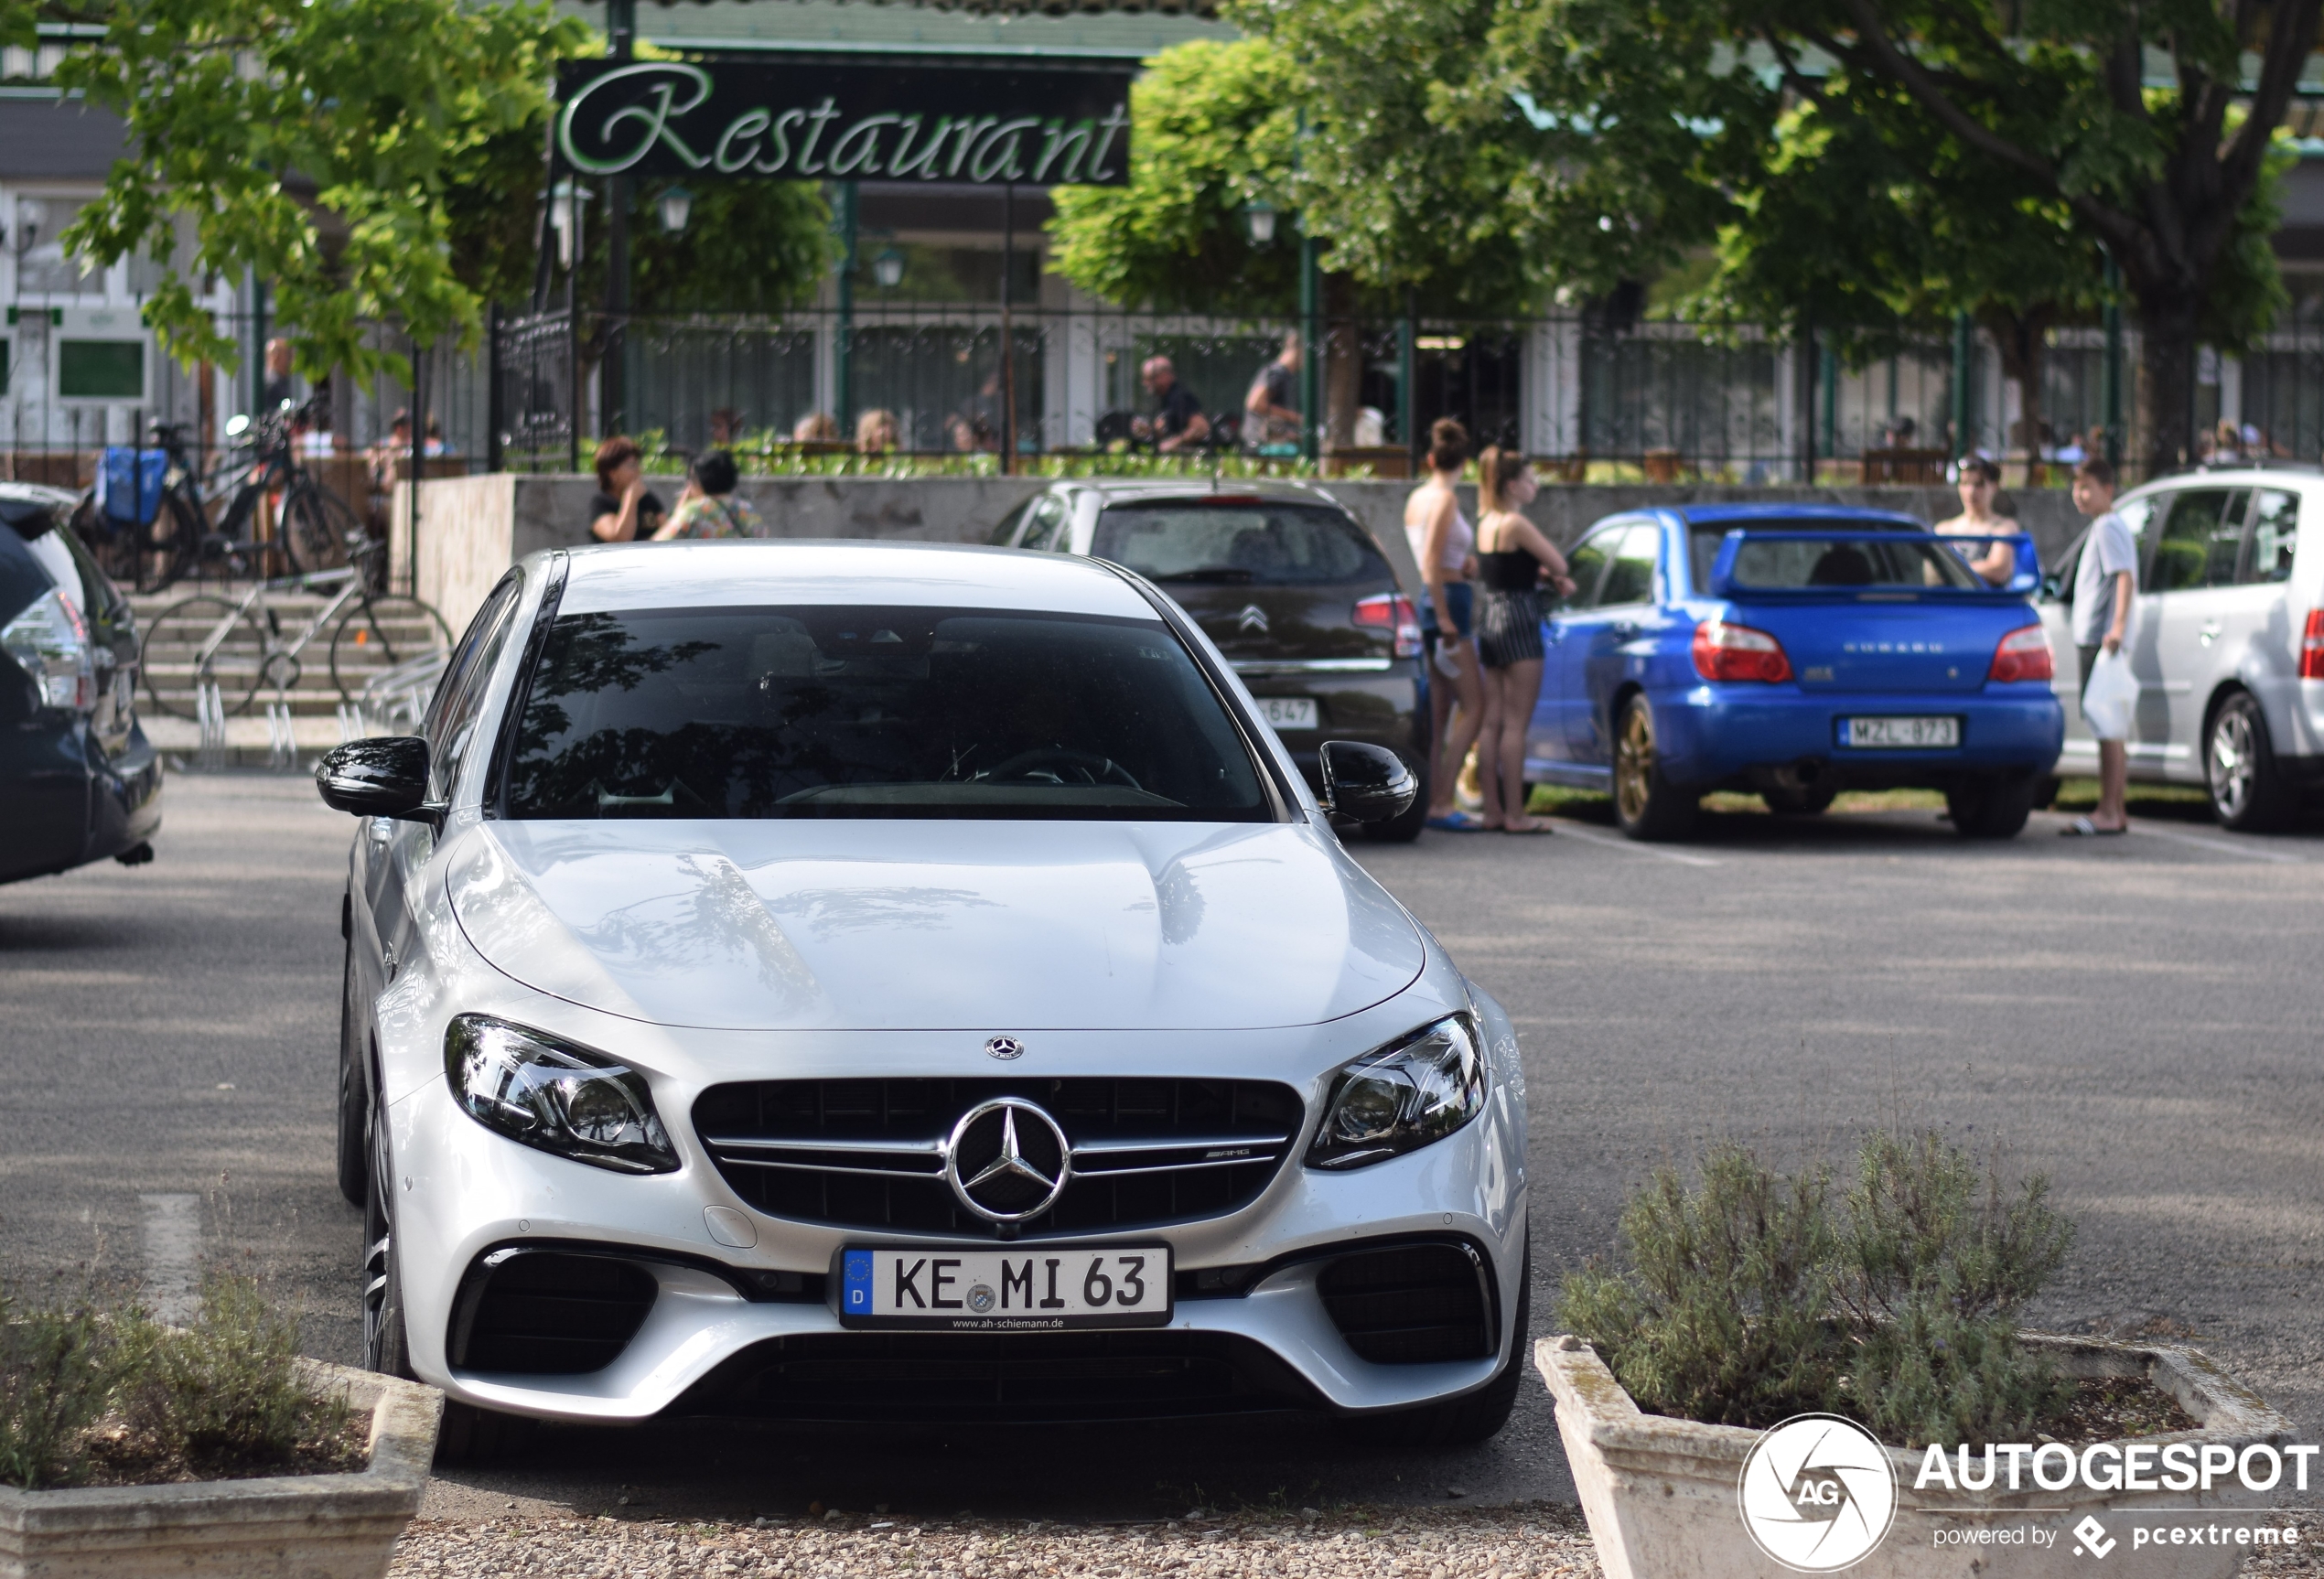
(1735, 515)
(1145, 489)
(806, 571)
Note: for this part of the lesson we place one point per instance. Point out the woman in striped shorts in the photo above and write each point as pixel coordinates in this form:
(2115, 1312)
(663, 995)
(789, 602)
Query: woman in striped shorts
(1512, 557)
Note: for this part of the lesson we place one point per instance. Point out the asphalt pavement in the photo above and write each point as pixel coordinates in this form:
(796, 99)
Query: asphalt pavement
(2136, 1016)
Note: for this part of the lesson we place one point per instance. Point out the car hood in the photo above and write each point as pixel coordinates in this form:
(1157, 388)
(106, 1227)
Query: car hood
(935, 925)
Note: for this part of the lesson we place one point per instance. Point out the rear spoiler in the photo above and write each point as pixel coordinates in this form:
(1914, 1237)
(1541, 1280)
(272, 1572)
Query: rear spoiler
(2025, 578)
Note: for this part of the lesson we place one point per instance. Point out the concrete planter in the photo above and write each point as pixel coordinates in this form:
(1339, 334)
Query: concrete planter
(290, 1527)
(1661, 1494)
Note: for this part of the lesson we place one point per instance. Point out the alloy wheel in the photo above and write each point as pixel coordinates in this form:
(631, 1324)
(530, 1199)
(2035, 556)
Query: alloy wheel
(379, 1249)
(1634, 764)
(2233, 755)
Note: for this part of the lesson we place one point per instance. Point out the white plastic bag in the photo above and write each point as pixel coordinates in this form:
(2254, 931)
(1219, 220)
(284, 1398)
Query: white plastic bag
(2107, 700)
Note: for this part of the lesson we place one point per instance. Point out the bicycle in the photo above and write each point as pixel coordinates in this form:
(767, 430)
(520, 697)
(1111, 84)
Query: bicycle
(205, 643)
(315, 527)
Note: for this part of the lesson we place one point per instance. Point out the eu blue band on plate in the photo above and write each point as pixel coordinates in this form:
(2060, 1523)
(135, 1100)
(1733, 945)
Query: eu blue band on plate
(855, 1281)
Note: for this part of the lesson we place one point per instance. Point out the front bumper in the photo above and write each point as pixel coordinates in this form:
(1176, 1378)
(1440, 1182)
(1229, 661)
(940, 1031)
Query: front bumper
(717, 1311)
(1710, 734)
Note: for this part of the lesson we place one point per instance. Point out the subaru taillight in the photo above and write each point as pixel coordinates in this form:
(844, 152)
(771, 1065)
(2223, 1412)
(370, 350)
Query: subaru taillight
(1724, 651)
(2312, 646)
(50, 641)
(1390, 612)
(2024, 654)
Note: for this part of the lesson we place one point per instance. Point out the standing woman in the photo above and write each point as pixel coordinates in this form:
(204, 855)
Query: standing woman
(1441, 538)
(1980, 482)
(1512, 558)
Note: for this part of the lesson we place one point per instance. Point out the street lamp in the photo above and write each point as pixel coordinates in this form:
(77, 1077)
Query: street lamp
(888, 269)
(1258, 217)
(676, 205)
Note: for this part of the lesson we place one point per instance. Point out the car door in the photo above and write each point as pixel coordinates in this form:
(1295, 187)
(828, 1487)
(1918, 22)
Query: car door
(396, 854)
(1593, 656)
(2188, 593)
(1545, 747)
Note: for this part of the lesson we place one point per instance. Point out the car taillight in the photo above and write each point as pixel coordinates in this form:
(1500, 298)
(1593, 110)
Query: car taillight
(2312, 646)
(1390, 612)
(1724, 651)
(2024, 654)
(50, 641)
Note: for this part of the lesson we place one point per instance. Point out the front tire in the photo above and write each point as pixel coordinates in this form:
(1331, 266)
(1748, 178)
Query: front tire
(2248, 793)
(1647, 805)
(1992, 808)
(386, 1349)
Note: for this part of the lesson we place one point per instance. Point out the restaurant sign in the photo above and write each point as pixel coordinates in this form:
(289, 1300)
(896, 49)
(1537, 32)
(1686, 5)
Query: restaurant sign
(813, 122)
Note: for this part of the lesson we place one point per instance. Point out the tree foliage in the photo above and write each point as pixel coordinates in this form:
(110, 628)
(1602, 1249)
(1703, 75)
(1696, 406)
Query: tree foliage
(750, 246)
(1215, 133)
(318, 143)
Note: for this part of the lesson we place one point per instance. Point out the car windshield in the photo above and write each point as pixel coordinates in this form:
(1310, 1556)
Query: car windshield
(827, 711)
(1869, 561)
(1240, 542)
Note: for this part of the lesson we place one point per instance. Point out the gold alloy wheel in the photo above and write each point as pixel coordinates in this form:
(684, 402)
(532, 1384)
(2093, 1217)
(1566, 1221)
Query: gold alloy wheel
(1634, 762)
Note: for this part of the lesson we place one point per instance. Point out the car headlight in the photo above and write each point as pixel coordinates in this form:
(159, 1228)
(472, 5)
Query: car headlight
(543, 1091)
(1403, 1097)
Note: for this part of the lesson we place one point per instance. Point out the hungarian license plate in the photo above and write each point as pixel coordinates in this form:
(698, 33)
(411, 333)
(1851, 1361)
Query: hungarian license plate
(1900, 734)
(1039, 1290)
(1288, 712)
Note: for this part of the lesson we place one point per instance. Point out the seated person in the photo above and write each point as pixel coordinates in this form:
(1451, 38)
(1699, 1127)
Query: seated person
(709, 506)
(623, 510)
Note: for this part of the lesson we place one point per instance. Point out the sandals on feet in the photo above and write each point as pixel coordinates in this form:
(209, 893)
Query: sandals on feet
(1457, 822)
(2083, 828)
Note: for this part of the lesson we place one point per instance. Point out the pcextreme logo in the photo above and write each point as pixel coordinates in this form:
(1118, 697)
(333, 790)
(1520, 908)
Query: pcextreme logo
(1817, 1493)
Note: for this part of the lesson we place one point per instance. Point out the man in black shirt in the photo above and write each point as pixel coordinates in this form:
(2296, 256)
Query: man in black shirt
(1178, 421)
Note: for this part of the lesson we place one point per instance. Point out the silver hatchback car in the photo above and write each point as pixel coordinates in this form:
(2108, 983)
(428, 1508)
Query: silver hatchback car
(2227, 642)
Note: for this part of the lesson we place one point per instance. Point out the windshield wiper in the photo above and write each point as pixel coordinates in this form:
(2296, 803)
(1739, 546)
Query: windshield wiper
(1217, 575)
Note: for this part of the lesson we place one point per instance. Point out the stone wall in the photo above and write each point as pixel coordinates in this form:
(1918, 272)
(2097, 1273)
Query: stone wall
(473, 528)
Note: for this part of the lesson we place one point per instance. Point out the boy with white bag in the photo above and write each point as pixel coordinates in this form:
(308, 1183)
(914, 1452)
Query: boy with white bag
(2105, 583)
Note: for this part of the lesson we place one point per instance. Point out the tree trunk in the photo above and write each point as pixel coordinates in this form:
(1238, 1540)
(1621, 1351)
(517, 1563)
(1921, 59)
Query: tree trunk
(2167, 380)
(2020, 337)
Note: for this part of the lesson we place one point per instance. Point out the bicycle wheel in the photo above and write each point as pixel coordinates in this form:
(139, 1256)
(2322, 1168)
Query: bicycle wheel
(316, 528)
(197, 639)
(142, 558)
(389, 631)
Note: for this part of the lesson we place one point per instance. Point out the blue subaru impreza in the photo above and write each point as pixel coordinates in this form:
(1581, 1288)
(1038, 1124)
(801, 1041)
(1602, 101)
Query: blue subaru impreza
(1796, 650)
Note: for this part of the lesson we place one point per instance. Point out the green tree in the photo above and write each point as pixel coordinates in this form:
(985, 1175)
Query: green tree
(749, 246)
(2056, 101)
(319, 143)
(1215, 131)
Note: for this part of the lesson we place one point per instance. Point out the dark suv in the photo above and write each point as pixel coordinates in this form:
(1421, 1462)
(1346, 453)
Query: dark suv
(1288, 583)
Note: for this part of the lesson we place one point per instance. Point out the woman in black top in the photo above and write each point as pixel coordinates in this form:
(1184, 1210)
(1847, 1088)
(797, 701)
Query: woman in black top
(1512, 558)
(623, 511)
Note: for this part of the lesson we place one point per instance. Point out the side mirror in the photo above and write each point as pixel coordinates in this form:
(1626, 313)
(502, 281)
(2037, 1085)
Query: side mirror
(386, 776)
(1369, 783)
(237, 426)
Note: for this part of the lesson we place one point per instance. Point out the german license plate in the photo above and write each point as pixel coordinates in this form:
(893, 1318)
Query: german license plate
(1288, 712)
(1900, 734)
(954, 1289)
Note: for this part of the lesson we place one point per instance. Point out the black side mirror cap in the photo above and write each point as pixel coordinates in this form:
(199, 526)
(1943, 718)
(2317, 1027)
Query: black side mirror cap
(382, 776)
(1369, 783)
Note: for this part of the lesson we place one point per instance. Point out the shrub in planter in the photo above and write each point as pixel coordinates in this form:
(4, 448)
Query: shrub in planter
(128, 1448)
(1750, 1297)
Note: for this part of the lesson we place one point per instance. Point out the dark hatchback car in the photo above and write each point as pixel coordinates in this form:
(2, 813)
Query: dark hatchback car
(79, 780)
(1288, 583)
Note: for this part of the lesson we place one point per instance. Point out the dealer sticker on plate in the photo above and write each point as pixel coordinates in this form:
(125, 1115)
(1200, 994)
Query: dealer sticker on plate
(1288, 712)
(959, 1289)
(1900, 734)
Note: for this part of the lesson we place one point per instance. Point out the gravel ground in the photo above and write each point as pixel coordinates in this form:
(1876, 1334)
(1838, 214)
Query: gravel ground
(1541, 1541)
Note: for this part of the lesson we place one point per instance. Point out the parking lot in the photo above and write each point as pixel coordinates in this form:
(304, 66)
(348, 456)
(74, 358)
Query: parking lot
(2138, 1017)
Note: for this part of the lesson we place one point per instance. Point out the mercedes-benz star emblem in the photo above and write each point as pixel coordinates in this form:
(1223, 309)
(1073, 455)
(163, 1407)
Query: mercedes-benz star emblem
(1253, 617)
(1006, 1160)
(1005, 1047)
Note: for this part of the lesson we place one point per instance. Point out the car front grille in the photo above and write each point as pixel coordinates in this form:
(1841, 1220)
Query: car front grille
(869, 1154)
(1410, 1304)
(992, 1378)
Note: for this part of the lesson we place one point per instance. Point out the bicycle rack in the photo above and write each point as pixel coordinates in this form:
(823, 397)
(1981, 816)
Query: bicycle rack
(210, 711)
(281, 747)
(352, 726)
